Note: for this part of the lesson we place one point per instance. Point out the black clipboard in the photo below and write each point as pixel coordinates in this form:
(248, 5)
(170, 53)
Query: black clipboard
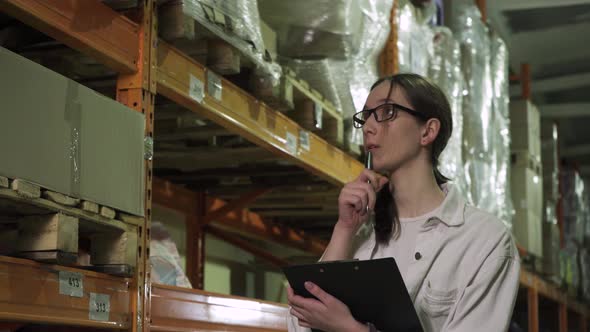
(373, 290)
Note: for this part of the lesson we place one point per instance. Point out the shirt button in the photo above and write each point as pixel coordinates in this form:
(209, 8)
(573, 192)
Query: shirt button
(418, 256)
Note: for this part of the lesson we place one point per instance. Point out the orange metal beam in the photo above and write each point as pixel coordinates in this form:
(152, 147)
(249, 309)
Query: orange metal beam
(195, 236)
(181, 309)
(235, 205)
(563, 317)
(251, 224)
(533, 305)
(192, 205)
(30, 292)
(243, 221)
(174, 197)
(137, 91)
(182, 80)
(88, 26)
(525, 80)
(247, 246)
(481, 4)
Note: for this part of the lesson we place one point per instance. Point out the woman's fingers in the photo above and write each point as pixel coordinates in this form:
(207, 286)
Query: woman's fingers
(366, 194)
(376, 180)
(357, 198)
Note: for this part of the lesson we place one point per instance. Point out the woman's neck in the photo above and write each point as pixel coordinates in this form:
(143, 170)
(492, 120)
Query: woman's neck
(415, 190)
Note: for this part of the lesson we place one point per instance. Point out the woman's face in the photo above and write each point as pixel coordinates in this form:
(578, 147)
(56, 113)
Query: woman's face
(393, 142)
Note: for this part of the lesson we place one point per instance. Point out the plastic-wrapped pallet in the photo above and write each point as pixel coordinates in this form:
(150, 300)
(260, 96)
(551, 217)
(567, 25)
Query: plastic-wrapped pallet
(569, 268)
(346, 82)
(478, 124)
(313, 29)
(585, 272)
(501, 134)
(445, 71)
(414, 42)
(364, 64)
(551, 242)
(325, 75)
(235, 21)
(575, 206)
(550, 159)
(165, 259)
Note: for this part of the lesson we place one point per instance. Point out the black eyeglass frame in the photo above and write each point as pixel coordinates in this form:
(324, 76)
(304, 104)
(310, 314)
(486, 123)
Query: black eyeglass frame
(358, 122)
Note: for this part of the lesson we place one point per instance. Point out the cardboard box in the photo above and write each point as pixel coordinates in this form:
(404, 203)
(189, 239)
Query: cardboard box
(525, 131)
(67, 138)
(269, 37)
(527, 195)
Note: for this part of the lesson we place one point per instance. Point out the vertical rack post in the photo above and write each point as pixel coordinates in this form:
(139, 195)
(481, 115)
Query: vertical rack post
(137, 91)
(533, 308)
(525, 80)
(388, 60)
(195, 266)
(562, 317)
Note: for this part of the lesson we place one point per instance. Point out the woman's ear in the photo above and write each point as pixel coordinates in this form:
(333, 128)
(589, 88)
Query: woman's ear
(430, 131)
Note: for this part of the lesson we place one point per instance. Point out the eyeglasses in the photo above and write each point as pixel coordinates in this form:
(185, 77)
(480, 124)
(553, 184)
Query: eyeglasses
(382, 113)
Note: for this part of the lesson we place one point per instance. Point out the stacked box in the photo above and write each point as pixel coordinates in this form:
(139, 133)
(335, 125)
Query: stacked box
(527, 193)
(525, 128)
(67, 138)
(526, 175)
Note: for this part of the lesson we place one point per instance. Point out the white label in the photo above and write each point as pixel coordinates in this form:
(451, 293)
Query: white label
(291, 143)
(99, 306)
(71, 283)
(196, 89)
(304, 140)
(214, 87)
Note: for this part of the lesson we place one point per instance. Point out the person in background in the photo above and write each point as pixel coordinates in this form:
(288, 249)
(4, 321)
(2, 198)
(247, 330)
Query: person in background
(460, 264)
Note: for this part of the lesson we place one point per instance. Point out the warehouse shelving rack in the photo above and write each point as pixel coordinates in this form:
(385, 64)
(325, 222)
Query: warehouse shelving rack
(148, 66)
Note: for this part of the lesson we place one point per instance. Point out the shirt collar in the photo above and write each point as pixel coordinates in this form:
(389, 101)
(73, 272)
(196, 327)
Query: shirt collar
(451, 212)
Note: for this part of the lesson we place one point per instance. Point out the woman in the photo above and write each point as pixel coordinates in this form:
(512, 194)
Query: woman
(460, 264)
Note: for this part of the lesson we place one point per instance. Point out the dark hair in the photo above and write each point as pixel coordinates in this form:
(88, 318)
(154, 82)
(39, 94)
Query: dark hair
(427, 98)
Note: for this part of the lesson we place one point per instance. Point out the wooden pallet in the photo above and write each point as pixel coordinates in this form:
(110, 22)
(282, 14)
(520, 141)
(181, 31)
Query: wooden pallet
(188, 35)
(290, 94)
(46, 226)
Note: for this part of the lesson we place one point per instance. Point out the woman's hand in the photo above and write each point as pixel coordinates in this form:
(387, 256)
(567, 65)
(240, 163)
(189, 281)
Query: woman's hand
(327, 314)
(357, 200)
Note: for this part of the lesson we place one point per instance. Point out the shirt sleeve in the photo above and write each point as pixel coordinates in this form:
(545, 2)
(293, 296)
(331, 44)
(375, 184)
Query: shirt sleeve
(488, 301)
(293, 325)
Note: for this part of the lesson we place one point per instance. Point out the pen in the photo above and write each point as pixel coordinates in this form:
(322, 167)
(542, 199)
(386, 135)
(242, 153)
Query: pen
(369, 165)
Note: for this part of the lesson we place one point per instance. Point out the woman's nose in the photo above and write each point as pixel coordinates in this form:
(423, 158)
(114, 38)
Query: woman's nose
(370, 125)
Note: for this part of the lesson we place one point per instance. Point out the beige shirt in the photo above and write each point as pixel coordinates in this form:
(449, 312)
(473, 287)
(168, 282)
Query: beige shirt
(402, 247)
(467, 274)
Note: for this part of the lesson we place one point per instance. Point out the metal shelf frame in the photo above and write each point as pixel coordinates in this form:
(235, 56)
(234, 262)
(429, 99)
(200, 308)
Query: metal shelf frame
(148, 66)
(30, 292)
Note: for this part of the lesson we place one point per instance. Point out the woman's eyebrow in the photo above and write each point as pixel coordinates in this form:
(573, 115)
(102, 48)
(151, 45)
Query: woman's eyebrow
(380, 102)
(386, 100)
